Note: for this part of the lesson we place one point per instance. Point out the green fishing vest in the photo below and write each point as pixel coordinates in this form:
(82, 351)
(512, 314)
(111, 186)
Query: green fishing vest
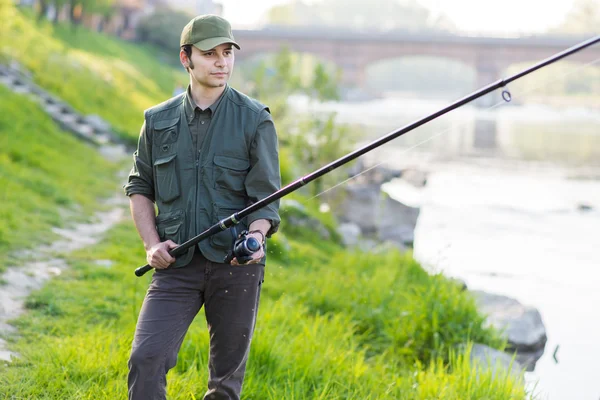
(194, 190)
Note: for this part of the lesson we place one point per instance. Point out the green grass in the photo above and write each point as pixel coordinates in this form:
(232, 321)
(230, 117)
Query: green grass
(333, 324)
(43, 170)
(310, 342)
(94, 73)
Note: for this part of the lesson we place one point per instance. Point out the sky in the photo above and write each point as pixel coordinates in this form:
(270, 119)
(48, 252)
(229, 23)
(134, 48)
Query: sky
(511, 17)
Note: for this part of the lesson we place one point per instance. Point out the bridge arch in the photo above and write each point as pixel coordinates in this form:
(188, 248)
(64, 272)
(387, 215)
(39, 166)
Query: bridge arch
(353, 51)
(428, 75)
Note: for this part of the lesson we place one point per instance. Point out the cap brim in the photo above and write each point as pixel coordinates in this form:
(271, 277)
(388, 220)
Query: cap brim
(209, 44)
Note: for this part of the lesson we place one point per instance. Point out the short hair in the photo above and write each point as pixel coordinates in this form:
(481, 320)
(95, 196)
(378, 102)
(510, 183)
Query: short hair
(187, 49)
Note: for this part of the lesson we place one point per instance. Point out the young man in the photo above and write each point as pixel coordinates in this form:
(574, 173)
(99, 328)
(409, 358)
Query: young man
(201, 156)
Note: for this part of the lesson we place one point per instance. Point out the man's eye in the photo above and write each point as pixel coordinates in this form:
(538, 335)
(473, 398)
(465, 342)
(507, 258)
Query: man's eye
(210, 53)
(228, 52)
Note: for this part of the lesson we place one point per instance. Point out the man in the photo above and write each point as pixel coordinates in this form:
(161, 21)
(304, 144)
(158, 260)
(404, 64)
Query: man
(201, 156)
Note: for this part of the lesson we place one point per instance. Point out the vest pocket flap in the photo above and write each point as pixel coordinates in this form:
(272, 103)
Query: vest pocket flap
(165, 123)
(172, 230)
(165, 160)
(232, 163)
(168, 218)
(170, 226)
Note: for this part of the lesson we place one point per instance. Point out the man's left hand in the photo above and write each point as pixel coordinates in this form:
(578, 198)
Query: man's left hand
(257, 256)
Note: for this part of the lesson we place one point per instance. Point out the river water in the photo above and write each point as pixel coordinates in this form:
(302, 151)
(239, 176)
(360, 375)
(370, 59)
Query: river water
(511, 206)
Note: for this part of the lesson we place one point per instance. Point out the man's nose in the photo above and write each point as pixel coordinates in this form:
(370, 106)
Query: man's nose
(220, 60)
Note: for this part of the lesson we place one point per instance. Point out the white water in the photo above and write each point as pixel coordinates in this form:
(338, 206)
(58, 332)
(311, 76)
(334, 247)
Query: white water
(519, 232)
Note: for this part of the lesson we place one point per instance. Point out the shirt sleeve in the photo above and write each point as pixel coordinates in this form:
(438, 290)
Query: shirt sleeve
(264, 179)
(141, 177)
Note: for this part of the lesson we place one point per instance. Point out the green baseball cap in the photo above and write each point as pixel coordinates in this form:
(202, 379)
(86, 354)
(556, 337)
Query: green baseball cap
(207, 32)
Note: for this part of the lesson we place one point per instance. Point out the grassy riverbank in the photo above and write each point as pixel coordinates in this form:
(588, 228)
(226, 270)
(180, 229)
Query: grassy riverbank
(333, 324)
(378, 327)
(45, 175)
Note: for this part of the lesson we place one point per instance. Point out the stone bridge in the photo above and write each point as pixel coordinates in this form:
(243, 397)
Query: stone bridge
(354, 51)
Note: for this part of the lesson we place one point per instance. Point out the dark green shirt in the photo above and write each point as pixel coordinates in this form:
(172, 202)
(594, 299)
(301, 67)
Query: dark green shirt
(198, 119)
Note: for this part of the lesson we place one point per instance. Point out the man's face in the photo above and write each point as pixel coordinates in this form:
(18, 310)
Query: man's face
(210, 68)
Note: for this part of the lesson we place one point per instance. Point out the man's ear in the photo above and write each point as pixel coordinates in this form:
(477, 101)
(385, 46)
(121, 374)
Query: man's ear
(184, 58)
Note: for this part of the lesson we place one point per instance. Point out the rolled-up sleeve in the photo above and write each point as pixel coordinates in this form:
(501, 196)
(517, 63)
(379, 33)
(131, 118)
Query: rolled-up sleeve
(141, 179)
(264, 179)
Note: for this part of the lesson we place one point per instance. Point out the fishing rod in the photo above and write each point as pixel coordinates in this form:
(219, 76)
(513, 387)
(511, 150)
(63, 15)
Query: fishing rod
(235, 218)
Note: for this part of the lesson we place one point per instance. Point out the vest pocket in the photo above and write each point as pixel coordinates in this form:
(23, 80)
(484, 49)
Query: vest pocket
(230, 173)
(165, 131)
(170, 226)
(167, 181)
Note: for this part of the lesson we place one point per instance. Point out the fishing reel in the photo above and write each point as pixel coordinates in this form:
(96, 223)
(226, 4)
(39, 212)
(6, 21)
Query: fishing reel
(242, 248)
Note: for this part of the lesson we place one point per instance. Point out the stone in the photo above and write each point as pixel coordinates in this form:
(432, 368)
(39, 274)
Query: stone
(415, 177)
(104, 263)
(361, 206)
(6, 355)
(522, 325)
(499, 362)
(350, 234)
(295, 214)
(96, 122)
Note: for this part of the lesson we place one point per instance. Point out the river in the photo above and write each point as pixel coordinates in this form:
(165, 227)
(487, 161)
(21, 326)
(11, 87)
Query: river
(511, 206)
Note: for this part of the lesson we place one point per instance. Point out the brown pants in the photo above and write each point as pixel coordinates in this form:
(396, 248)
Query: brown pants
(230, 296)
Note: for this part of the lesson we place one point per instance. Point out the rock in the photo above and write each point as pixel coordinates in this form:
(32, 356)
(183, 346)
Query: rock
(84, 131)
(96, 122)
(17, 69)
(375, 212)
(104, 263)
(292, 204)
(91, 128)
(483, 356)
(397, 221)
(6, 355)
(361, 206)
(522, 325)
(377, 175)
(113, 152)
(295, 214)
(311, 223)
(415, 177)
(350, 234)
(403, 234)
(460, 283)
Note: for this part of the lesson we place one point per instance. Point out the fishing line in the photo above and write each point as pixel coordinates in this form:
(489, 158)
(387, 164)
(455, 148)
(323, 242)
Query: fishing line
(236, 217)
(464, 125)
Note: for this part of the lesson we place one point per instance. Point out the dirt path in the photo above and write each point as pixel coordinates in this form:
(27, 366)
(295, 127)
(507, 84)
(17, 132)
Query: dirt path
(46, 262)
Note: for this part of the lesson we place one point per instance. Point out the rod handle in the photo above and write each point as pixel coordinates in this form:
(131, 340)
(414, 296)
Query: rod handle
(142, 270)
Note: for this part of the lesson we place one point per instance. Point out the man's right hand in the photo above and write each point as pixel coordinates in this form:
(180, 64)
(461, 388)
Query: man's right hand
(158, 256)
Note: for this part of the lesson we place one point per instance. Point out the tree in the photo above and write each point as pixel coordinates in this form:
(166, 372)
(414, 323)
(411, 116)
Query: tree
(163, 28)
(584, 18)
(318, 141)
(313, 140)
